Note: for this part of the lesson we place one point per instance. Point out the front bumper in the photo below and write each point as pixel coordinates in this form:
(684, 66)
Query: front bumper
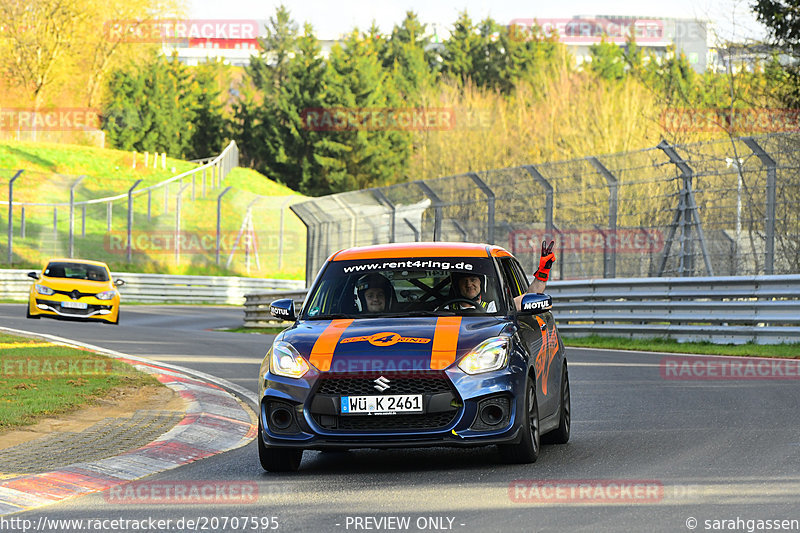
(47, 306)
(452, 417)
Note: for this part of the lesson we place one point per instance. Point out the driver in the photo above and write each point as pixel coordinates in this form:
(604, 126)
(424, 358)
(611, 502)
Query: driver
(374, 291)
(470, 287)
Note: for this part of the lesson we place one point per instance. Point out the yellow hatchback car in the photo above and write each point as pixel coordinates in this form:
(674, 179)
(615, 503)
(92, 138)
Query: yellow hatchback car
(75, 289)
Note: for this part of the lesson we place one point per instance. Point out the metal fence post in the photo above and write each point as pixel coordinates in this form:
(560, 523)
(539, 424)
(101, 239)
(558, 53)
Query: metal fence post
(769, 214)
(108, 216)
(129, 247)
(490, 207)
(72, 215)
(22, 223)
(83, 221)
(548, 195)
(280, 233)
(609, 260)
(149, 198)
(385, 201)
(55, 222)
(219, 218)
(687, 213)
(437, 209)
(178, 224)
(11, 216)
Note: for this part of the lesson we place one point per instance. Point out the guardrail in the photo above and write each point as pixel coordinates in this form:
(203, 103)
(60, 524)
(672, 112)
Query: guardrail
(159, 288)
(723, 310)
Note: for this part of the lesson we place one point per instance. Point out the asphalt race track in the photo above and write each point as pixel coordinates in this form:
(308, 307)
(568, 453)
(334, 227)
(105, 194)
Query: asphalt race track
(646, 453)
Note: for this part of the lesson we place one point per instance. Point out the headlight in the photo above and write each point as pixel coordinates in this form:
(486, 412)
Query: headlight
(42, 289)
(491, 354)
(105, 295)
(286, 361)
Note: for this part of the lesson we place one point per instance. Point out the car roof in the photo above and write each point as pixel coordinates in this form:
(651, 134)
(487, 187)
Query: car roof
(81, 261)
(420, 249)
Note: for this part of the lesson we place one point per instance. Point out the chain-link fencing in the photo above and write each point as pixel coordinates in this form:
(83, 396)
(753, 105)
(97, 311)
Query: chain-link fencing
(194, 222)
(723, 207)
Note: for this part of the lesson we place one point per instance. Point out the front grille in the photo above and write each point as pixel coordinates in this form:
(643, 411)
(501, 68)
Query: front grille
(74, 294)
(360, 385)
(440, 401)
(429, 421)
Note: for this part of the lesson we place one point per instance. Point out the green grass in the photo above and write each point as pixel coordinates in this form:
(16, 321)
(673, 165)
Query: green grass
(110, 172)
(39, 381)
(790, 351)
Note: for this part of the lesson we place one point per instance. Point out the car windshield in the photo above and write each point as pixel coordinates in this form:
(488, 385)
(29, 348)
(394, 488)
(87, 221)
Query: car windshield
(76, 271)
(405, 287)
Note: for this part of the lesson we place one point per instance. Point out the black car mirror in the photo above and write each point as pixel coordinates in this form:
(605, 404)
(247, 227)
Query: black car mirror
(283, 309)
(34, 275)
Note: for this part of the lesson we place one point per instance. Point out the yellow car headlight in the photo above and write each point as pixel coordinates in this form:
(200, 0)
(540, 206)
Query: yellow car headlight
(106, 295)
(491, 354)
(44, 289)
(286, 361)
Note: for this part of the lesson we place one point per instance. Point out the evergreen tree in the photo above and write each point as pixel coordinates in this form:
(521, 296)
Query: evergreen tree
(608, 61)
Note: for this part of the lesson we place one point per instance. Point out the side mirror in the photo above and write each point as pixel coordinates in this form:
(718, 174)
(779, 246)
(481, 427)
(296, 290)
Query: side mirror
(34, 275)
(283, 309)
(119, 282)
(536, 304)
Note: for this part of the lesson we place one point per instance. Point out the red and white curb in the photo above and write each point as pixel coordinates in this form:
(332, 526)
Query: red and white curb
(214, 422)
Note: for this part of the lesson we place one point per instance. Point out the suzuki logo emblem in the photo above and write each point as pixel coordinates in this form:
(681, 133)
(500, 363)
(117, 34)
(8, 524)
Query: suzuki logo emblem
(381, 384)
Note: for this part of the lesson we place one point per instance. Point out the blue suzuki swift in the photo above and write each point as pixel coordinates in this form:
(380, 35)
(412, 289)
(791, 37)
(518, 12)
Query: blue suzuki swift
(411, 345)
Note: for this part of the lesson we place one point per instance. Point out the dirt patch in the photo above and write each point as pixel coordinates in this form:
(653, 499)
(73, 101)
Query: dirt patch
(121, 402)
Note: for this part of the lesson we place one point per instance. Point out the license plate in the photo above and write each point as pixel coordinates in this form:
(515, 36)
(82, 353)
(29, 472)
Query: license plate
(74, 305)
(381, 405)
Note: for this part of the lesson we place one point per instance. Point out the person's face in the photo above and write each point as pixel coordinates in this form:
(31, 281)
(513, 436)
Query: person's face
(376, 299)
(470, 287)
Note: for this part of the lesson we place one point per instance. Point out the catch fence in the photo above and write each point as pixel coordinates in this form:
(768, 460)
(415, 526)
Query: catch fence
(718, 208)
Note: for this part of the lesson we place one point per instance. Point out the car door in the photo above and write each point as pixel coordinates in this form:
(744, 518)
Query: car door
(541, 338)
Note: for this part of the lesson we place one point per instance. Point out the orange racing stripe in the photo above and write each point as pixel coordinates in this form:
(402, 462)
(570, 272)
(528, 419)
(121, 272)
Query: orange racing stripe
(322, 353)
(445, 342)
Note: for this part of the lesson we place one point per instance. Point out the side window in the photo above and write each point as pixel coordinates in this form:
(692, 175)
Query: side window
(521, 276)
(510, 277)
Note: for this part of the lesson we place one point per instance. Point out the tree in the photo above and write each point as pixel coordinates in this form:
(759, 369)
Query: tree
(38, 34)
(608, 61)
(404, 55)
(782, 19)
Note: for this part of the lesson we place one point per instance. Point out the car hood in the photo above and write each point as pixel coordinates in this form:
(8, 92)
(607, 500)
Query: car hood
(381, 344)
(82, 285)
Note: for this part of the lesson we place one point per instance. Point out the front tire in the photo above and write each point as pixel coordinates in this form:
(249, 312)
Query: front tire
(277, 459)
(560, 435)
(527, 450)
